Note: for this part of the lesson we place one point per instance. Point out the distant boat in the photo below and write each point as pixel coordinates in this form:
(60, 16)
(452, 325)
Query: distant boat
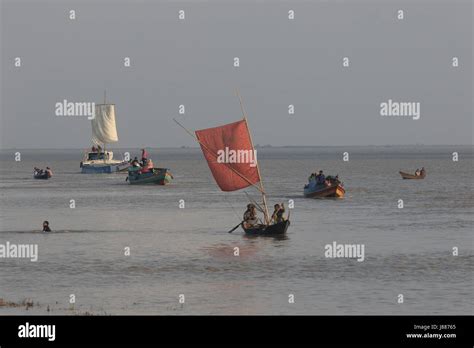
(159, 176)
(321, 191)
(104, 131)
(412, 176)
(234, 175)
(333, 188)
(42, 176)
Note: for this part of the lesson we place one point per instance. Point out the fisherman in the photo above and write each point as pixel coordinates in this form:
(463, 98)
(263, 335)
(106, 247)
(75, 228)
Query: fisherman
(277, 215)
(49, 172)
(135, 162)
(422, 171)
(417, 172)
(46, 227)
(320, 178)
(250, 215)
(144, 155)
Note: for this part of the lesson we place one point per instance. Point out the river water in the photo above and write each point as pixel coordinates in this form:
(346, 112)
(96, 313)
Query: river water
(187, 251)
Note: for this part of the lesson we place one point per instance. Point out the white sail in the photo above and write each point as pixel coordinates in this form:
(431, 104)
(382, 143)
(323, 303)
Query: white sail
(104, 130)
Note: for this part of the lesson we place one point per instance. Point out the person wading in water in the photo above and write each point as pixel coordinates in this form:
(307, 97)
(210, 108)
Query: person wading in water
(46, 227)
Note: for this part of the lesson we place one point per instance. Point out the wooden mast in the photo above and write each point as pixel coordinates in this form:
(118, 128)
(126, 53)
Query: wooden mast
(262, 190)
(105, 94)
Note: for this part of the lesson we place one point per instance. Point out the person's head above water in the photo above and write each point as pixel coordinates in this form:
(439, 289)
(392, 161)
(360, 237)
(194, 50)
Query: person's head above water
(45, 223)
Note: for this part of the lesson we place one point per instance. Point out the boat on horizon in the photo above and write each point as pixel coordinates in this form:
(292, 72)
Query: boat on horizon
(232, 175)
(413, 176)
(104, 131)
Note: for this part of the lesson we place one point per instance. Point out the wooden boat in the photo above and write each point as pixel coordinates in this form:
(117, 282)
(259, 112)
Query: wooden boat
(267, 230)
(159, 176)
(231, 174)
(412, 176)
(321, 191)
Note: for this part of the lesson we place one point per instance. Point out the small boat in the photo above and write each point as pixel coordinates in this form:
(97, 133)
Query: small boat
(104, 131)
(412, 176)
(221, 147)
(42, 176)
(322, 191)
(159, 176)
(267, 230)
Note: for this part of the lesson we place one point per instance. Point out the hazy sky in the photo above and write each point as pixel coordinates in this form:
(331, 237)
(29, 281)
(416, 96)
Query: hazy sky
(282, 62)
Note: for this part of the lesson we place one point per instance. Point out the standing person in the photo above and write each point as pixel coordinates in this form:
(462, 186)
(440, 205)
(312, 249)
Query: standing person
(144, 155)
(277, 215)
(46, 227)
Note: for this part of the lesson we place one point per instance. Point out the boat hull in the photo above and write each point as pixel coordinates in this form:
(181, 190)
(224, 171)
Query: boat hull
(159, 176)
(336, 191)
(41, 176)
(411, 176)
(267, 230)
(104, 168)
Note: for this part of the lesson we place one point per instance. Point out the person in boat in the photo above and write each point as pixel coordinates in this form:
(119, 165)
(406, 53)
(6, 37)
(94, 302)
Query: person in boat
(144, 155)
(135, 162)
(36, 171)
(49, 172)
(94, 149)
(422, 171)
(417, 172)
(99, 148)
(250, 215)
(320, 178)
(279, 210)
(46, 226)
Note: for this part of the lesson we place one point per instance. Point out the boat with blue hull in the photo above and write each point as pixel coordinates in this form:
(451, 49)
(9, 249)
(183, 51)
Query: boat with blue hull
(330, 187)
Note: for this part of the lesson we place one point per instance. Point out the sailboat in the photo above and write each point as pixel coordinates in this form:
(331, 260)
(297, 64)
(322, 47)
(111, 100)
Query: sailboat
(104, 131)
(234, 175)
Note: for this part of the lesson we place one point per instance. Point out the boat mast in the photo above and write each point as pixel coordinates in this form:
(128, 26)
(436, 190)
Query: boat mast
(262, 190)
(105, 95)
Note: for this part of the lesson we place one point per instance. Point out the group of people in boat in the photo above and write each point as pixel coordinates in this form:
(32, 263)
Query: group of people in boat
(420, 172)
(251, 218)
(40, 172)
(321, 179)
(145, 165)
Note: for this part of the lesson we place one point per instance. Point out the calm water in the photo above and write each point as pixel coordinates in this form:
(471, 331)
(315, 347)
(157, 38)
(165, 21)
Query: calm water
(188, 251)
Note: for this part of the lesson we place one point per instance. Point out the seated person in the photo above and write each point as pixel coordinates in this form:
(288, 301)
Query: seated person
(250, 216)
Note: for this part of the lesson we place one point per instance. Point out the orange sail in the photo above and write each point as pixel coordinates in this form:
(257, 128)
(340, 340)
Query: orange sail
(230, 155)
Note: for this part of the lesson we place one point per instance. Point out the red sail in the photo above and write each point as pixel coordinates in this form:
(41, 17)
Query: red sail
(230, 155)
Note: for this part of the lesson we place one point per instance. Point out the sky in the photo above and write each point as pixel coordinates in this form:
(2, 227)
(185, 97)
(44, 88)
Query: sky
(282, 62)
